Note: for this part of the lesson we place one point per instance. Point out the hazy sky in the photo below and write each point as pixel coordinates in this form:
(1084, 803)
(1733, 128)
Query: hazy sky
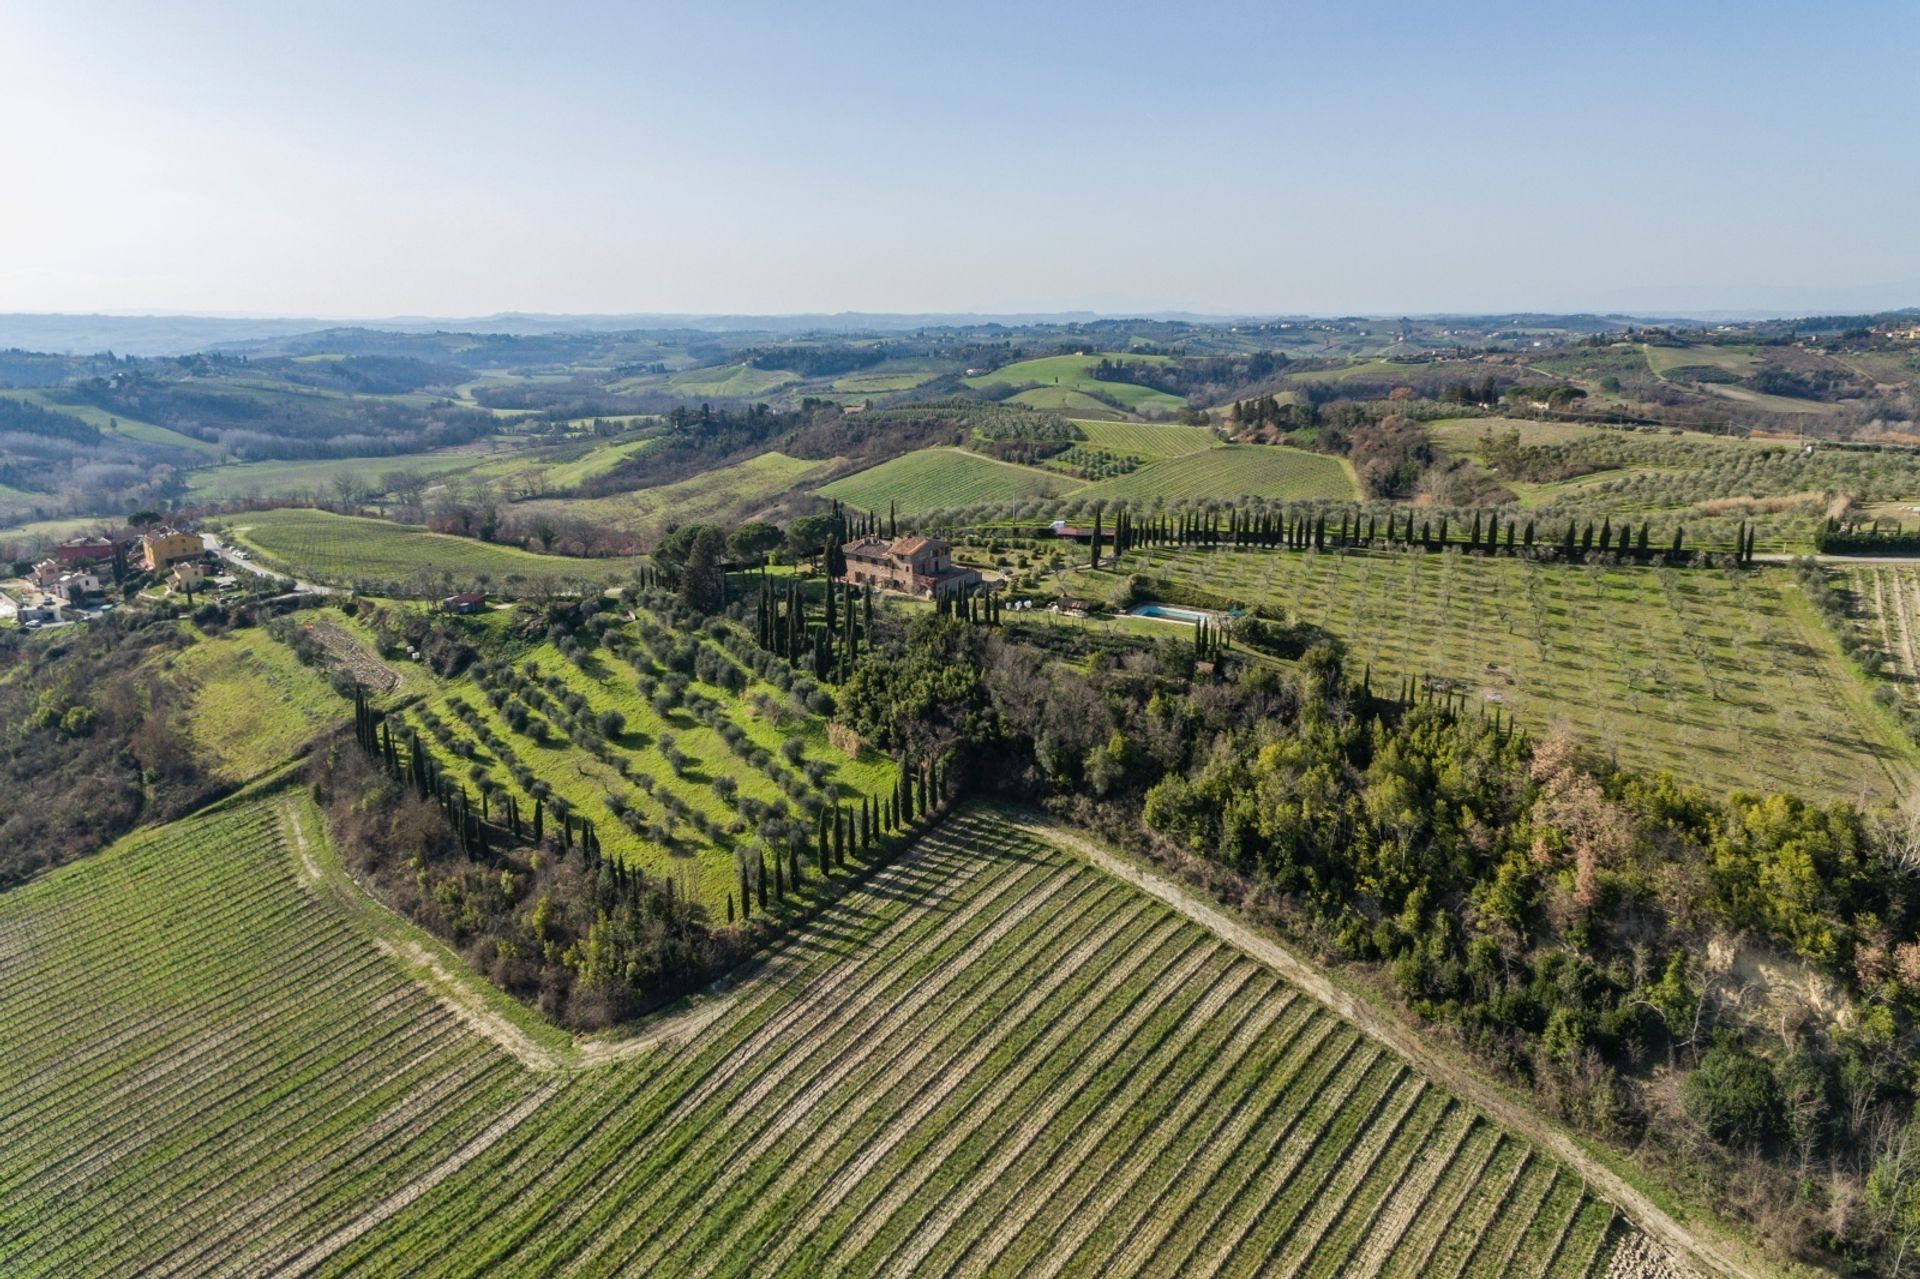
(395, 158)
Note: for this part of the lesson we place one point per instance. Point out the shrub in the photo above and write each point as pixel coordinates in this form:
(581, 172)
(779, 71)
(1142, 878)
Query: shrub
(1734, 1096)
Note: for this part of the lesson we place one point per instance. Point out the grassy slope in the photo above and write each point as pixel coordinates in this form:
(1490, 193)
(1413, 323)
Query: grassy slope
(346, 548)
(1064, 399)
(729, 380)
(308, 478)
(992, 1053)
(719, 495)
(1664, 359)
(1071, 372)
(254, 704)
(927, 478)
(1724, 678)
(145, 432)
(553, 466)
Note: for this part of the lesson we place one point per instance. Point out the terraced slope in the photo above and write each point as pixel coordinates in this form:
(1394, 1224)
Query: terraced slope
(994, 1057)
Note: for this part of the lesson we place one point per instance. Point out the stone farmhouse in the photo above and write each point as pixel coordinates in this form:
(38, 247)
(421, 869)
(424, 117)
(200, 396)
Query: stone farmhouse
(917, 566)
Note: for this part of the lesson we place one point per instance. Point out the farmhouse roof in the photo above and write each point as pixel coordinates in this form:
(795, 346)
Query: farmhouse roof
(867, 548)
(908, 545)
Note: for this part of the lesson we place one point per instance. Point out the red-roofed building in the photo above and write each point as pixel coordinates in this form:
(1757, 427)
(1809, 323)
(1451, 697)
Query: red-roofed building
(919, 566)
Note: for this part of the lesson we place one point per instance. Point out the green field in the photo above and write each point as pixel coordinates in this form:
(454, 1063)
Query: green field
(1727, 678)
(1361, 369)
(729, 381)
(1234, 470)
(1064, 399)
(51, 530)
(929, 478)
(1071, 373)
(891, 375)
(991, 1058)
(1664, 359)
(1147, 439)
(514, 469)
(347, 549)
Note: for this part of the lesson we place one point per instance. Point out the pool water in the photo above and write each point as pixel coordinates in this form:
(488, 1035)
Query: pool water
(1167, 612)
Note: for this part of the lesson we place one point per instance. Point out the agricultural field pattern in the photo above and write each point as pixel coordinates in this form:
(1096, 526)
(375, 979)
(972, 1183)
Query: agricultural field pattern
(990, 1056)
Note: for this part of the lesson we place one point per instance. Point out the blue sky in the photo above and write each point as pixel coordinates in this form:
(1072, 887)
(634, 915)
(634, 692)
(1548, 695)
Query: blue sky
(358, 159)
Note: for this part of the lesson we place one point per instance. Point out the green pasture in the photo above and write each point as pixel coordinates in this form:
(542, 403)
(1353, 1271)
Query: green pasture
(928, 478)
(351, 549)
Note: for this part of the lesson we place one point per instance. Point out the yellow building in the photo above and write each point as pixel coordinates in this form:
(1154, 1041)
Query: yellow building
(162, 548)
(187, 576)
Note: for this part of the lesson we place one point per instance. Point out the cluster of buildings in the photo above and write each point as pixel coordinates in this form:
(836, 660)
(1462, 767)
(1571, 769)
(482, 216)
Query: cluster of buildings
(919, 566)
(72, 574)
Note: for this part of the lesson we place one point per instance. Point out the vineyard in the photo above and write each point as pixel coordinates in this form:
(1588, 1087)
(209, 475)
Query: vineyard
(1147, 439)
(1725, 677)
(350, 548)
(990, 1057)
(207, 1070)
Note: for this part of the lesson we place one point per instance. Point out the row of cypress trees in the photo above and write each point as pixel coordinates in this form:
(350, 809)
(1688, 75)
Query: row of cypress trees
(1311, 530)
(972, 604)
(412, 763)
(841, 831)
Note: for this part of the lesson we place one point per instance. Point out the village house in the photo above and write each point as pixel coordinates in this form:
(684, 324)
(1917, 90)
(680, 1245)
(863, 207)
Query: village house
(76, 586)
(465, 602)
(84, 550)
(187, 575)
(162, 548)
(918, 566)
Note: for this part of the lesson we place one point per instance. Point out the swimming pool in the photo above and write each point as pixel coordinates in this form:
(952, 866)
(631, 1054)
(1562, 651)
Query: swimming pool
(1169, 613)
